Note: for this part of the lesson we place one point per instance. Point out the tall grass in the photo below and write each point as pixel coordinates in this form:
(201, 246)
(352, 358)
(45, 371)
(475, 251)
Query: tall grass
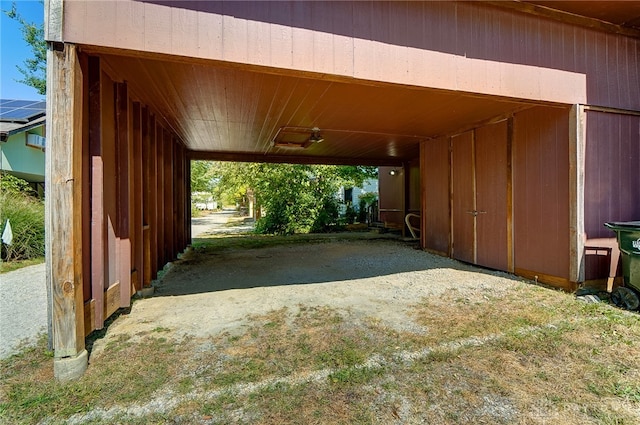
(26, 215)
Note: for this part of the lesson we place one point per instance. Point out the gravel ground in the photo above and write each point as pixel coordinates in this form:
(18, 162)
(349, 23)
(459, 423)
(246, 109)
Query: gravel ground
(23, 308)
(205, 294)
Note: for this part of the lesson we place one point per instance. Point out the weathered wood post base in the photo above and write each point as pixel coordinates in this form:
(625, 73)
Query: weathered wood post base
(63, 209)
(70, 368)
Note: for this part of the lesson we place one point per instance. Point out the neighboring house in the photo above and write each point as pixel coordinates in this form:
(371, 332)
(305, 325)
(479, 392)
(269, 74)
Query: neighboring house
(22, 140)
(351, 195)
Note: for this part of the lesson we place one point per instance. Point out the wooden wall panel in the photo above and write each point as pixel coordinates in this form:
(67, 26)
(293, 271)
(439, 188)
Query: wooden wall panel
(160, 190)
(124, 149)
(146, 196)
(612, 176)
(153, 195)
(110, 173)
(167, 155)
(435, 189)
(540, 194)
(491, 188)
(137, 197)
(466, 46)
(463, 197)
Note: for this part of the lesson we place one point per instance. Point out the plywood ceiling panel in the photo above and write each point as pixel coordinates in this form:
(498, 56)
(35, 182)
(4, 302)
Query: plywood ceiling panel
(223, 109)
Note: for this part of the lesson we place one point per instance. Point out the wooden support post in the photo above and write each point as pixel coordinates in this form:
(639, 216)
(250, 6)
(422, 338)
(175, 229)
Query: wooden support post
(577, 237)
(137, 223)
(187, 199)
(97, 191)
(162, 260)
(153, 196)
(64, 209)
(124, 236)
(167, 206)
(511, 265)
(146, 204)
(178, 198)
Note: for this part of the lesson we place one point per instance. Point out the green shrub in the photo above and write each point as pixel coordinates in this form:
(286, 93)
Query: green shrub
(26, 215)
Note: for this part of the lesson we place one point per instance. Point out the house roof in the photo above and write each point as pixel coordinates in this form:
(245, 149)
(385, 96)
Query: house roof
(17, 116)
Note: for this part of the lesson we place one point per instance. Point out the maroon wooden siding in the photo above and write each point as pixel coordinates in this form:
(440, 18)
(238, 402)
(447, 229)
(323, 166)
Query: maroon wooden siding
(467, 29)
(463, 197)
(138, 172)
(435, 189)
(612, 171)
(492, 185)
(541, 193)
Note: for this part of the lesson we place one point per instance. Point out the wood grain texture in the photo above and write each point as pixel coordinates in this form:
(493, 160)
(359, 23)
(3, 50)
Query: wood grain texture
(124, 190)
(435, 181)
(541, 191)
(463, 196)
(136, 197)
(491, 194)
(63, 203)
(97, 191)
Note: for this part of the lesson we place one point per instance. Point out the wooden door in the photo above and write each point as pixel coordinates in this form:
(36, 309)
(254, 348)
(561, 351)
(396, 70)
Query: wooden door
(463, 197)
(479, 196)
(491, 196)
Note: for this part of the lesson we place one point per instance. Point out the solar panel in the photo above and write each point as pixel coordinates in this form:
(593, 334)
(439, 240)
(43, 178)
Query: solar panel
(17, 103)
(21, 111)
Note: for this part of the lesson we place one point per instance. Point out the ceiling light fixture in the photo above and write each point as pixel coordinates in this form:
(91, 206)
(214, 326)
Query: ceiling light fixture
(296, 137)
(315, 136)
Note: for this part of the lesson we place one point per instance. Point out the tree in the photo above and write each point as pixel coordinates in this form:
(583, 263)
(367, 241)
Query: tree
(35, 68)
(294, 198)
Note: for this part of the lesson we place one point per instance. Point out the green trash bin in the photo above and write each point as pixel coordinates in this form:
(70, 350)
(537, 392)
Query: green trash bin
(628, 234)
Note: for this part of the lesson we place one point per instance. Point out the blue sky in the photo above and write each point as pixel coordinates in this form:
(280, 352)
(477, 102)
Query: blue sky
(14, 50)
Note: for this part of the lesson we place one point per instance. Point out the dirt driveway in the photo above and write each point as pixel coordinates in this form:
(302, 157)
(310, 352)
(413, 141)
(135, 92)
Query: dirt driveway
(204, 294)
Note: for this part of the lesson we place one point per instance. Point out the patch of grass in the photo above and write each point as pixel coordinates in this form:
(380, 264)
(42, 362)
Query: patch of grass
(212, 244)
(122, 373)
(280, 344)
(9, 266)
(545, 358)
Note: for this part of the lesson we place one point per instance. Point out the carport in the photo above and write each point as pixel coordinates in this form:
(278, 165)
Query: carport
(483, 105)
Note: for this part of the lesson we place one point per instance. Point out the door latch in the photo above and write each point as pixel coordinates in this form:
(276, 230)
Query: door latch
(476, 212)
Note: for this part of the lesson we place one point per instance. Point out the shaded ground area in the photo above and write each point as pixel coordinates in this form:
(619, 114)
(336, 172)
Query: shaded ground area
(209, 291)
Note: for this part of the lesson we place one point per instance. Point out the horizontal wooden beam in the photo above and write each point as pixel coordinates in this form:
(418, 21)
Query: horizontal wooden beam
(565, 17)
(558, 282)
(292, 159)
(611, 110)
(111, 304)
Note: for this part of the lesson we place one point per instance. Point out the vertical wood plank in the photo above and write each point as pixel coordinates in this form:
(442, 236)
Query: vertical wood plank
(168, 196)
(97, 191)
(510, 258)
(436, 207)
(491, 195)
(136, 199)
(63, 201)
(463, 197)
(124, 236)
(577, 235)
(153, 196)
(162, 260)
(187, 199)
(145, 190)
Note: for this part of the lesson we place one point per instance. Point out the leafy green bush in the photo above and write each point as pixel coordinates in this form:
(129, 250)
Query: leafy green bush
(26, 215)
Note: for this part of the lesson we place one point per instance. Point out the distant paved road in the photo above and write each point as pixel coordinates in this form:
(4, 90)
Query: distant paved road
(23, 307)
